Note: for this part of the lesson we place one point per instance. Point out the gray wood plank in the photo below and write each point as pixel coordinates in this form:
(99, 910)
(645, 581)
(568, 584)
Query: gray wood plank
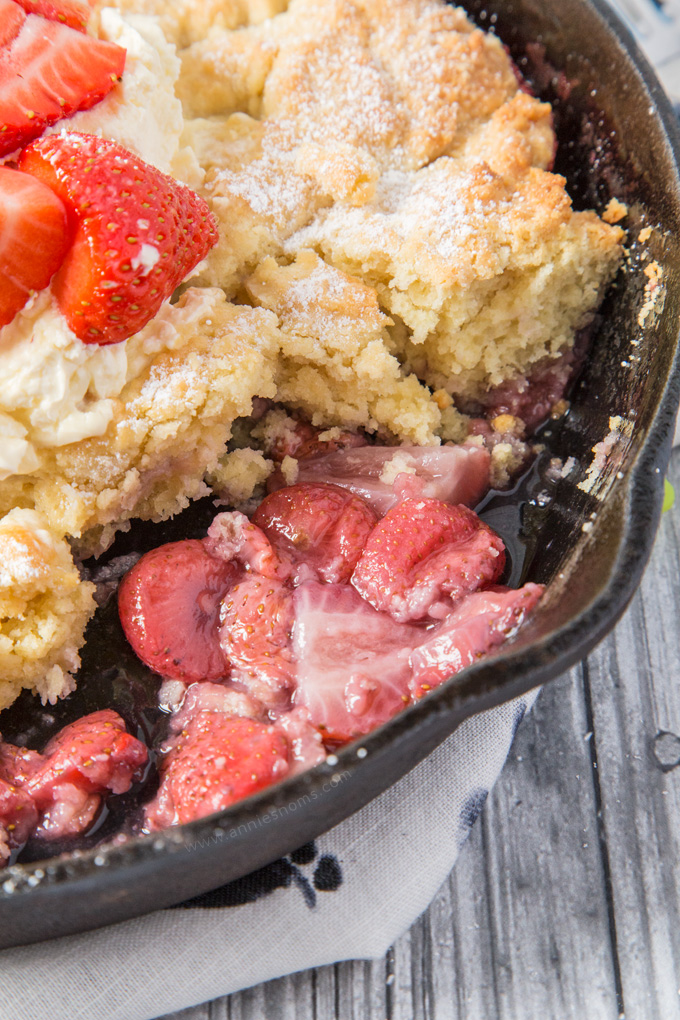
(551, 954)
(360, 991)
(633, 686)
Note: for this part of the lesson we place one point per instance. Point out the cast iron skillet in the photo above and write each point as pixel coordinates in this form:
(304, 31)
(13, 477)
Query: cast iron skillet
(617, 137)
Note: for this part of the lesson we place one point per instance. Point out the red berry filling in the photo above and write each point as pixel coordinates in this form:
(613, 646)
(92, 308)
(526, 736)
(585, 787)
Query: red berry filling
(330, 622)
(58, 793)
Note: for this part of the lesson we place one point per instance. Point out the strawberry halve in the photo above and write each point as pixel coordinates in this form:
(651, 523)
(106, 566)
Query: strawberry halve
(34, 239)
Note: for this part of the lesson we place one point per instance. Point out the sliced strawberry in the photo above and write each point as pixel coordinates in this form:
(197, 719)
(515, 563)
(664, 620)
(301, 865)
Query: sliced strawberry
(137, 233)
(12, 300)
(384, 475)
(59, 792)
(74, 13)
(209, 697)
(18, 814)
(47, 72)
(34, 239)
(169, 608)
(478, 624)
(211, 761)
(11, 19)
(231, 536)
(425, 554)
(18, 764)
(255, 624)
(321, 526)
(306, 745)
(352, 661)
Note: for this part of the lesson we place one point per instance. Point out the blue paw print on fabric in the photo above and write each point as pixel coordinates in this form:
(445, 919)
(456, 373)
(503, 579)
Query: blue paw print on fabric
(471, 809)
(283, 874)
(520, 712)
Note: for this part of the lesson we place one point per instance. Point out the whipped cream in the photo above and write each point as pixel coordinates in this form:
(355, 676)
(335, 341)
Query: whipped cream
(55, 388)
(142, 112)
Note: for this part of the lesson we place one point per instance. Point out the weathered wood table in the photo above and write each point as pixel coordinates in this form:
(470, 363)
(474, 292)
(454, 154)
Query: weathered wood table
(565, 901)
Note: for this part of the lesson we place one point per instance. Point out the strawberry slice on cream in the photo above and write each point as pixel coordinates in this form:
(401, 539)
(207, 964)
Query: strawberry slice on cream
(34, 239)
(137, 233)
(74, 13)
(48, 71)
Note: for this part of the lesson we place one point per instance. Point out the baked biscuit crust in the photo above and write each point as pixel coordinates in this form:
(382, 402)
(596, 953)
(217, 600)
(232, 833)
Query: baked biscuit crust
(389, 227)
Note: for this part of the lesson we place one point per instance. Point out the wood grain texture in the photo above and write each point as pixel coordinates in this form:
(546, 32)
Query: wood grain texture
(565, 901)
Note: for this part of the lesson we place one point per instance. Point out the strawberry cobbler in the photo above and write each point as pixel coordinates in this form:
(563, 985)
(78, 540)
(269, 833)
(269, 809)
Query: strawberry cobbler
(307, 257)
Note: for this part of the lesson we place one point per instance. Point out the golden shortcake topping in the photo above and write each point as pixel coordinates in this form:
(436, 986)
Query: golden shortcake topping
(392, 248)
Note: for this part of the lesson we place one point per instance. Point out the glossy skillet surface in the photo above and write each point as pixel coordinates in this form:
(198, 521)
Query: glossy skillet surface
(617, 136)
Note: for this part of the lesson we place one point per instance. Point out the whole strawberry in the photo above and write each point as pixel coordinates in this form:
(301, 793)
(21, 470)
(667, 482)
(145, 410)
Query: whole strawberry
(137, 233)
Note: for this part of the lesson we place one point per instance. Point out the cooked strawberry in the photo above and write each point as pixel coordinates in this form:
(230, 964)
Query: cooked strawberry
(47, 72)
(59, 792)
(34, 239)
(74, 13)
(300, 439)
(18, 764)
(231, 536)
(306, 745)
(18, 817)
(137, 233)
(255, 624)
(95, 753)
(87, 758)
(323, 527)
(385, 475)
(352, 661)
(425, 554)
(213, 760)
(209, 697)
(11, 19)
(18, 813)
(479, 623)
(169, 608)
